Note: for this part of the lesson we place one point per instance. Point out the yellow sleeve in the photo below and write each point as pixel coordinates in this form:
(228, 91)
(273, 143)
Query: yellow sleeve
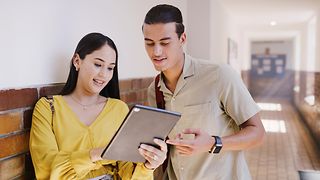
(134, 171)
(48, 161)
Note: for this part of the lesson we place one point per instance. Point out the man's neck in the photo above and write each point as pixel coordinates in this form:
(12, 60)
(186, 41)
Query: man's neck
(171, 76)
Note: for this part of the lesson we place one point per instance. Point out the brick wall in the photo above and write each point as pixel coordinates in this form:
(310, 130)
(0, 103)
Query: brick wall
(272, 87)
(16, 106)
(308, 83)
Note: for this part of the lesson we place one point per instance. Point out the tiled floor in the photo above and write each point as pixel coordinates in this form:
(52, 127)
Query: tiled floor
(287, 147)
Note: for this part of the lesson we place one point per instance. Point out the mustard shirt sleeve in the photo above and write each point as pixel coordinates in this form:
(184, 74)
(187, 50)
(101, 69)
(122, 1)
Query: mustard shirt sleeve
(134, 171)
(48, 161)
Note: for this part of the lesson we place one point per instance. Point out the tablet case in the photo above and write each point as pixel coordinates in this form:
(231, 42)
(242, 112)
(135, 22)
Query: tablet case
(141, 125)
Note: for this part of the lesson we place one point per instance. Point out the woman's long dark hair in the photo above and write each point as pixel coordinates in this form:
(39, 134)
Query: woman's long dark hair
(89, 43)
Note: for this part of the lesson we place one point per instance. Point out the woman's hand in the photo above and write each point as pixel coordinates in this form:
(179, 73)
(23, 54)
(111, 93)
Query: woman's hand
(155, 157)
(95, 154)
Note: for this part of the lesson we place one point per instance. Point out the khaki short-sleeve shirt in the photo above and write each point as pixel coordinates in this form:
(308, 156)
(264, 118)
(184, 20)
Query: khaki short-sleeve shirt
(213, 98)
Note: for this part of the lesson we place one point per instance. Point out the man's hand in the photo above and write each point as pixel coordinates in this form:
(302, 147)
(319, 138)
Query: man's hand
(202, 142)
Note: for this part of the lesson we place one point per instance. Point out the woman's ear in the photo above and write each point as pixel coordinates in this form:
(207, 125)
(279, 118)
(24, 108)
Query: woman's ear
(76, 61)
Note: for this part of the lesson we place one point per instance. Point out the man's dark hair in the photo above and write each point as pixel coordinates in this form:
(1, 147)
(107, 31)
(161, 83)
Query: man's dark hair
(89, 43)
(165, 13)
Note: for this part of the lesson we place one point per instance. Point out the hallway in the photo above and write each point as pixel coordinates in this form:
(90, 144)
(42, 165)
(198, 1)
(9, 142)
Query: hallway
(288, 146)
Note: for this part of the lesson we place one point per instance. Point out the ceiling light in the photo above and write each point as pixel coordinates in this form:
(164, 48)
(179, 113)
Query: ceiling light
(273, 23)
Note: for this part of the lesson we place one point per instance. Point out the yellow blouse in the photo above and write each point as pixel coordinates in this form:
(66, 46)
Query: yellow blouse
(60, 146)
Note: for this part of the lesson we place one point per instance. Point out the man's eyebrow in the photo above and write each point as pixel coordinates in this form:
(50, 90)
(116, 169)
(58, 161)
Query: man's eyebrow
(162, 39)
(166, 38)
(147, 39)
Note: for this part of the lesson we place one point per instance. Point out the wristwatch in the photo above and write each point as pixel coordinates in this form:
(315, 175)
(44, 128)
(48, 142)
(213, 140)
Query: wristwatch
(217, 146)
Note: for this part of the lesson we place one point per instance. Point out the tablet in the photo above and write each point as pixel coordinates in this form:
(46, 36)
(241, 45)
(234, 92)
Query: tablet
(141, 126)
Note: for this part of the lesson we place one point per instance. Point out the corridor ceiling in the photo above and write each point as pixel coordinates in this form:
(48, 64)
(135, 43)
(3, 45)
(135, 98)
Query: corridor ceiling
(262, 12)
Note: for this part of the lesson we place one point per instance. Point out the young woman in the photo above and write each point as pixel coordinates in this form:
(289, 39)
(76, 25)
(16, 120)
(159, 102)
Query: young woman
(67, 144)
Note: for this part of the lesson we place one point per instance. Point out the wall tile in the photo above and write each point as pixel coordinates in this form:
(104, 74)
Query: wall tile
(146, 82)
(136, 84)
(11, 99)
(10, 122)
(278, 87)
(27, 117)
(14, 144)
(12, 167)
(309, 85)
(51, 89)
(125, 85)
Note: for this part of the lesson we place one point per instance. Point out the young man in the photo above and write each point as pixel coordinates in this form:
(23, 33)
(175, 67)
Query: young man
(219, 117)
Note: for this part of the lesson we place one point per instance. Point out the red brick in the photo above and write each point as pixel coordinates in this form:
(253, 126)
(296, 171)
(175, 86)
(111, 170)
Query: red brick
(142, 95)
(14, 144)
(10, 122)
(51, 90)
(27, 118)
(131, 97)
(146, 82)
(136, 84)
(145, 103)
(125, 85)
(302, 85)
(12, 167)
(11, 99)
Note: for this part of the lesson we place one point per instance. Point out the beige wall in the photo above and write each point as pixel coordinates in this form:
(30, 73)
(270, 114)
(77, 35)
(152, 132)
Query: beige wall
(38, 37)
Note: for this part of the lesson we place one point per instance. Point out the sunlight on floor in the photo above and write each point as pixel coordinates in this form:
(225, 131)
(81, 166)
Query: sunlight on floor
(310, 100)
(274, 125)
(270, 106)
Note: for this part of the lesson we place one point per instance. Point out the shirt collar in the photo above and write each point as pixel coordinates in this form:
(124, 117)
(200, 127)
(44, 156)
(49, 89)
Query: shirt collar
(188, 70)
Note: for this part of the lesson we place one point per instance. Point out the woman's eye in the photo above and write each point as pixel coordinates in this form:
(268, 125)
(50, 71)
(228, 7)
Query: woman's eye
(97, 65)
(110, 68)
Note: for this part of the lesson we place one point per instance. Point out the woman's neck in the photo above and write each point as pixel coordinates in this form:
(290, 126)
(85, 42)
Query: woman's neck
(85, 98)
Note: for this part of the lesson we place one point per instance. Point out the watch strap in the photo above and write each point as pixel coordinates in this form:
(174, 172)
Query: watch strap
(217, 145)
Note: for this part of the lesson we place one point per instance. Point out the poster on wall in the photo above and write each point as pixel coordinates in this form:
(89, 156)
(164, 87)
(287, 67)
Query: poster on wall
(268, 65)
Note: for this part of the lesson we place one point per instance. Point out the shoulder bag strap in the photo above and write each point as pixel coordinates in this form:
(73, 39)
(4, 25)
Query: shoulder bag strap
(161, 105)
(159, 94)
(49, 98)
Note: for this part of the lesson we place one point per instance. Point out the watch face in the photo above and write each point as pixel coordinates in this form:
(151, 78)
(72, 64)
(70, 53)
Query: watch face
(217, 149)
(218, 145)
